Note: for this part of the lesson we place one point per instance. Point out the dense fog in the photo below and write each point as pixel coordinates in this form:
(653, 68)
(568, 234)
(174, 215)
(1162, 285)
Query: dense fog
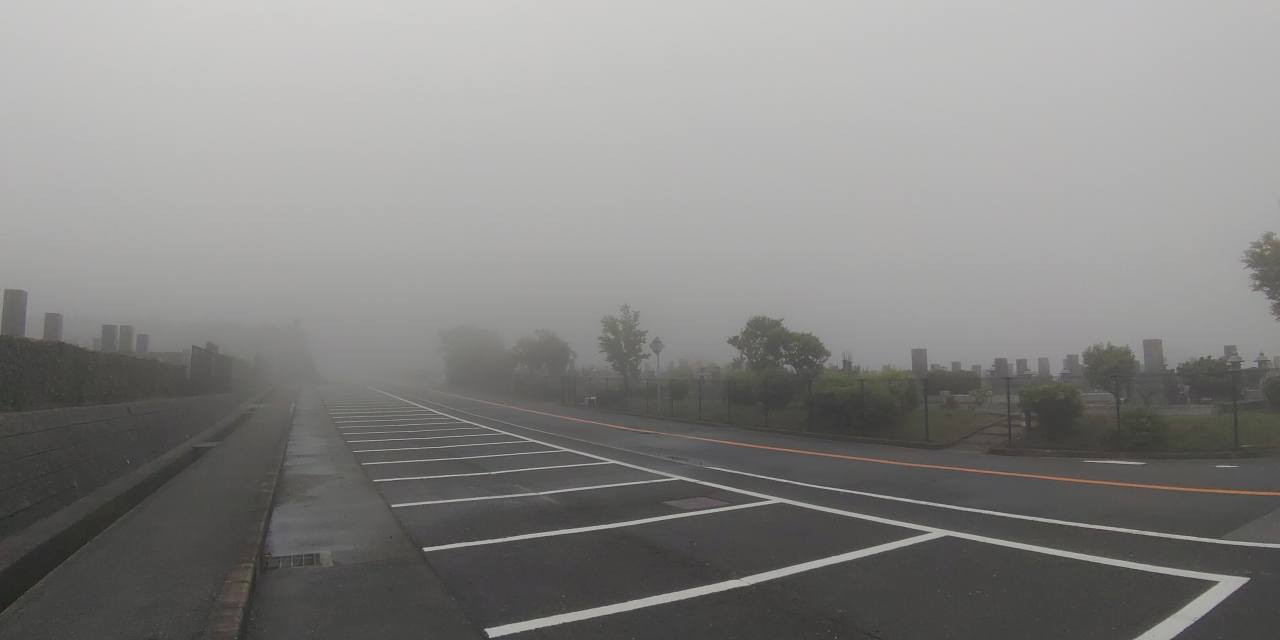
(987, 180)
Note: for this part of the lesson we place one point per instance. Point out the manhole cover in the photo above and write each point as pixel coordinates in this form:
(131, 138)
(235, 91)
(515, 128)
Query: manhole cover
(692, 504)
(297, 560)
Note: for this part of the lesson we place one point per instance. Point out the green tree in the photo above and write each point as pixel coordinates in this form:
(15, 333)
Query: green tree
(805, 353)
(761, 342)
(622, 342)
(474, 356)
(953, 381)
(1262, 260)
(543, 352)
(1105, 365)
(1206, 377)
(1057, 405)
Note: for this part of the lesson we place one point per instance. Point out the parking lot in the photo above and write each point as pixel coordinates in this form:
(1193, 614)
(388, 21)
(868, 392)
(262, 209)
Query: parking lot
(543, 540)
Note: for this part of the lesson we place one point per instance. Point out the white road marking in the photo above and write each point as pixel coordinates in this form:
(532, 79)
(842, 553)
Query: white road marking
(388, 426)
(372, 420)
(492, 455)
(1175, 624)
(392, 412)
(1015, 516)
(366, 433)
(1164, 630)
(493, 473)
(463, 435)
(1114, 462)
(530, 494)
(685, 594)
(1227, 466)
(598, 527)
(441, 446)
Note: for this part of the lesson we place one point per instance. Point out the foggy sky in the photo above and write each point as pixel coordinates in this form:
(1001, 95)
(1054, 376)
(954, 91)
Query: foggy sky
(980, 178)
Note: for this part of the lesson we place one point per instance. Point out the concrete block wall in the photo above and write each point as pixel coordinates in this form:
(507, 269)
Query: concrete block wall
(51, 458)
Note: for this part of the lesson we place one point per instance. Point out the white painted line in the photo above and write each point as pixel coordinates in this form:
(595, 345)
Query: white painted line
(343, 412)
(598, 527)
(1175, 624)
(492, 473)
(1227, 466)
(369, 433)
(492, 455)
(356, 416)
(464, 435)
(685, 594)
(531, 494)
(1165, 630)
(441, 446)
(372, 420)
(1015, 516)
(1131, 462)
(410, 424)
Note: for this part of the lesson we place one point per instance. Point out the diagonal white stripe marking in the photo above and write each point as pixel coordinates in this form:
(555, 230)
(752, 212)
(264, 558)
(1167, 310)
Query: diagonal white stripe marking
(685, 594)
(492, 455)
(439, 446)
(464, 435)
(530, 494)
(599, 527)
(492, 473)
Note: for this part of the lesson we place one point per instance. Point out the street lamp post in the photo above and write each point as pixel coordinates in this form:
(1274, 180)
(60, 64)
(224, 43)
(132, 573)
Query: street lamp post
(657, 346)
(1115, 385)
(1234, 363)
(1008, 406)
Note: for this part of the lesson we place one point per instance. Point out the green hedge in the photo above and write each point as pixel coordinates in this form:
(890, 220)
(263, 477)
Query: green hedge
(36, 375)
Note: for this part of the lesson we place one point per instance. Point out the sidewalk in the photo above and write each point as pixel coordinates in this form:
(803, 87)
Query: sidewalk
(367, 579)
(156, 572)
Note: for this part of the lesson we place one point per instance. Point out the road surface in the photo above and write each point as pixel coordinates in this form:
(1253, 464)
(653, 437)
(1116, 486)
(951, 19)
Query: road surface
(541, 521)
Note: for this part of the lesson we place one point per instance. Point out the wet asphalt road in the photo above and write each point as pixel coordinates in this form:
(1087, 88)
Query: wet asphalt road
(541, 521)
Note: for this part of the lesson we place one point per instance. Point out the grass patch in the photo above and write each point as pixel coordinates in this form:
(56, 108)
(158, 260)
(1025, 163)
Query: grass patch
(1186, 433)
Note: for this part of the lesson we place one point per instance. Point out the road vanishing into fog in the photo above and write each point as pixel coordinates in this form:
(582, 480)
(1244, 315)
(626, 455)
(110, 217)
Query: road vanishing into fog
(468, 517)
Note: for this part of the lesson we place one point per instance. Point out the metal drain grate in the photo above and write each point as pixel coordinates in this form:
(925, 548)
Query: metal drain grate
(297, 561)
(693, 504)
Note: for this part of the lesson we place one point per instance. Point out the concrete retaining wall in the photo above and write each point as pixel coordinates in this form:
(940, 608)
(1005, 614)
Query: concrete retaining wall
(49, 459)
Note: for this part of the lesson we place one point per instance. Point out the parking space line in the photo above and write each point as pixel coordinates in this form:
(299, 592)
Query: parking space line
(373, 420)
(412, 424)
(463, 435)
(491, 455)
(598, 527)
(442, 446)
(1005, 514)
(369, 433)
(343, 412)
(530, 494)
(685, 594)
(493, 473)
(1225, 585)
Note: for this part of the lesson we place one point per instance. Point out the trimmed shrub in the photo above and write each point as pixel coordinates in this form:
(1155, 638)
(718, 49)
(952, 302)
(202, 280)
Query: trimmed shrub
(35, 374)
(742, 387)
(774, 389)
(1057, 405)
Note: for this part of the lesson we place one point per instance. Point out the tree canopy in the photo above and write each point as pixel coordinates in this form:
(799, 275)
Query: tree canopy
(765, 344)
(543, 352)
(1262, 260)
(1104, 365)
(622, 342)
(474, 356)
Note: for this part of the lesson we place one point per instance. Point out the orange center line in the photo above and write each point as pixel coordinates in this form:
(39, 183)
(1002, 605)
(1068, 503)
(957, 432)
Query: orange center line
(887, 461)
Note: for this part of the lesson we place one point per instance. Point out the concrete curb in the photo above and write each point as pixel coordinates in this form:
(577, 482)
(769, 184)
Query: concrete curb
(230, 615)
(1031, 452)
(29, 555)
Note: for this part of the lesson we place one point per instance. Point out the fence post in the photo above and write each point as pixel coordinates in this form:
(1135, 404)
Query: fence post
(728, 400)
(862, 401)
(699, 398)
(646, 395)
(672, 398)
(924, 387)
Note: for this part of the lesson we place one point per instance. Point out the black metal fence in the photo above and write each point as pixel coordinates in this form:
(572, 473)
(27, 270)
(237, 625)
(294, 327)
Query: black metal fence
(868, 406)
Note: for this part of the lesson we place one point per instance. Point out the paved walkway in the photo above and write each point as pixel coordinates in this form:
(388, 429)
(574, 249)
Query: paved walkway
(366, 579)
(155, 572)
